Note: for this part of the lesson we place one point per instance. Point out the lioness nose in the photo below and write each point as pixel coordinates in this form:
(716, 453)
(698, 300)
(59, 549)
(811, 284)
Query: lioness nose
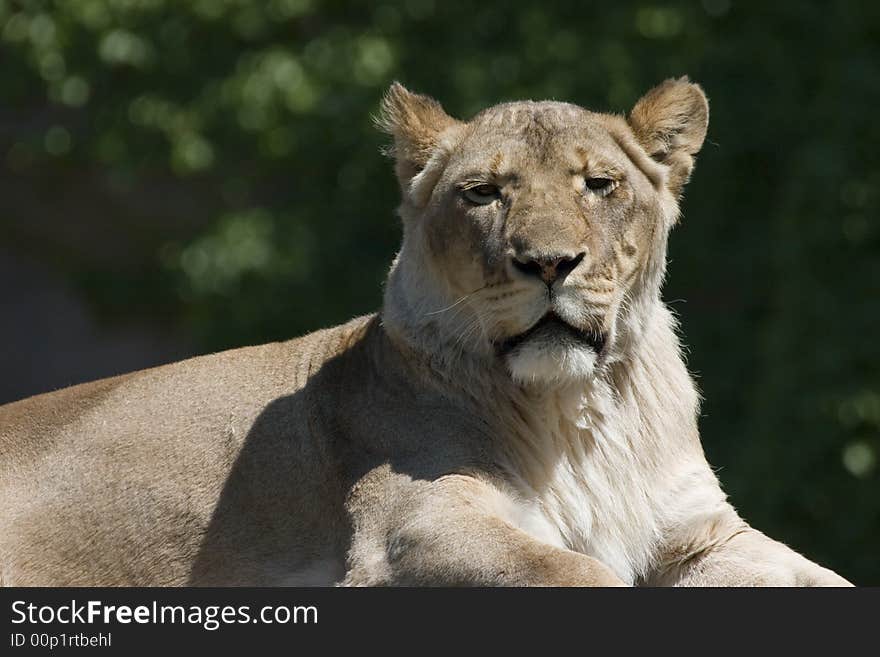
(548, 268)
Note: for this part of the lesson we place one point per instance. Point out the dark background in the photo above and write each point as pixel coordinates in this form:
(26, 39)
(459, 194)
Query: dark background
(182, 177)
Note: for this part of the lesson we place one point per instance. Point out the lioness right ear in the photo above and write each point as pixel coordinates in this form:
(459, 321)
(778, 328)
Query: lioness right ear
(416, 123)
(670, 122)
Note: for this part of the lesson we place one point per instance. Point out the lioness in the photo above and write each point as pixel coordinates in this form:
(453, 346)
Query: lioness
(517, 414)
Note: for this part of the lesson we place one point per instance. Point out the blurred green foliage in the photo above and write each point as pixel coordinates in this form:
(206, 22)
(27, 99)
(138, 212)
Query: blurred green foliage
(253, 122)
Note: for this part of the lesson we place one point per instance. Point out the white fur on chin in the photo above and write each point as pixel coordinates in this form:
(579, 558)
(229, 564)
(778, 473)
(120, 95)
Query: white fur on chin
(551, 363)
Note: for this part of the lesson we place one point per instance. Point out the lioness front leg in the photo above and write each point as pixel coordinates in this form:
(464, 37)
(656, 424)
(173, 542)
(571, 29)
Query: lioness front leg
(456, 531)
(749, 558)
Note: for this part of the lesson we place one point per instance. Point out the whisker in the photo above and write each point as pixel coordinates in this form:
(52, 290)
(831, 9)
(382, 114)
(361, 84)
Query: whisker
(466, 296)
(469, 331)
(443, 310)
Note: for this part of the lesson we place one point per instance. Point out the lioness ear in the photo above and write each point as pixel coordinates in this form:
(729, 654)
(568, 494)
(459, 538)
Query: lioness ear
(417, 124)
(670, 123)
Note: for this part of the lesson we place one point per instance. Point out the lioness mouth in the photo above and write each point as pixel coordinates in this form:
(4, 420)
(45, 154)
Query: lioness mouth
(552, 322)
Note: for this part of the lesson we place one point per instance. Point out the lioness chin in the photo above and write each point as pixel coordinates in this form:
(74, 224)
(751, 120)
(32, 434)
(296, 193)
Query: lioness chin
(517, 414)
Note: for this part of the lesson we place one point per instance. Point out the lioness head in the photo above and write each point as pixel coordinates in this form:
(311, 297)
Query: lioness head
(535, 233)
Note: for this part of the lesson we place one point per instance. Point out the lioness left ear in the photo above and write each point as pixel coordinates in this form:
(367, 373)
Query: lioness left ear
(417, 124)
(670, 123)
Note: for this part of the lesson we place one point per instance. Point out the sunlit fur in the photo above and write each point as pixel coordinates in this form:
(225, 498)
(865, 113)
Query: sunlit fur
(485, 300)
(431, 443)
(602, 450)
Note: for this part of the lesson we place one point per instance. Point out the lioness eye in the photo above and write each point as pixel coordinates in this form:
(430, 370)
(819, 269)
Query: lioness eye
(600, 186)
(482, 194)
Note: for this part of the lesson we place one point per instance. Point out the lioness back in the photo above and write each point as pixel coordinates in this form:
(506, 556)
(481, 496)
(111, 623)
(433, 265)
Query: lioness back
(178, 466)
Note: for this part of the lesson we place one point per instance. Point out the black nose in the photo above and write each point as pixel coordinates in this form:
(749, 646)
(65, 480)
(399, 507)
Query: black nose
(549, 268)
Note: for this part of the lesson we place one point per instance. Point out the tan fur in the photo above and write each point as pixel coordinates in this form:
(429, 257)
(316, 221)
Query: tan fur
(423, 445)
